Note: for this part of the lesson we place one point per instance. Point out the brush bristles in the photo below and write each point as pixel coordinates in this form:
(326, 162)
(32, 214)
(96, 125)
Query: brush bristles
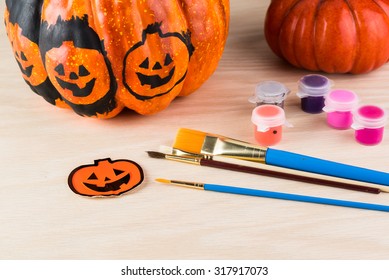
(189, 140)
(164, 181)
(156, 154)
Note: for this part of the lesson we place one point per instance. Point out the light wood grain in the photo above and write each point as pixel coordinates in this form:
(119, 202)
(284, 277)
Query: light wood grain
(41, 218)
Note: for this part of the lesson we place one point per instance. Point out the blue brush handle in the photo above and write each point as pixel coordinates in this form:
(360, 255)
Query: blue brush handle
(295, 197)
(321, 166)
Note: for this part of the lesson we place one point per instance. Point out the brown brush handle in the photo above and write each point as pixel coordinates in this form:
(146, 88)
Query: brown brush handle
(289, 176)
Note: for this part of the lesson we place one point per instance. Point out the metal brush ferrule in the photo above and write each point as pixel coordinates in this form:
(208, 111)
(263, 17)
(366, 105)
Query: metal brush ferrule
(192, 185)
(177, 152)
(221, 146)
(185, 159)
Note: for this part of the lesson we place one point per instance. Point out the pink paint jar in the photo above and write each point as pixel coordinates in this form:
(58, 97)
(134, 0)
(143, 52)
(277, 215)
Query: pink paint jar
(369, 123)
(339, 105)
(268, 121)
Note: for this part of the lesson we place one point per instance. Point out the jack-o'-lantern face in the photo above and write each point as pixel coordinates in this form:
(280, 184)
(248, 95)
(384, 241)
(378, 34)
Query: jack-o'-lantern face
(105, 178)
(27, 55)
(80, 75)
(152, 67)
(160, 75)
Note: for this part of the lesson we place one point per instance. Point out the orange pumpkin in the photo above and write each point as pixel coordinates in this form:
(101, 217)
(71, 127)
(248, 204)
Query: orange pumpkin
(24, 41)
(334, 36)
(100, 57)
(105, 177)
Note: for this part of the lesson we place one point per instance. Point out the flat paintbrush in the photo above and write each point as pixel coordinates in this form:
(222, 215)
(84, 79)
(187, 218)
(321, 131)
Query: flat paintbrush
(199, 142)
(282, 173)
(276, 195)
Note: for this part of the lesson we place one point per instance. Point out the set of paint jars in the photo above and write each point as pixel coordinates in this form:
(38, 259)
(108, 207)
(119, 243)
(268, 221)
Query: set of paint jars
(341, 106)
(343, 112)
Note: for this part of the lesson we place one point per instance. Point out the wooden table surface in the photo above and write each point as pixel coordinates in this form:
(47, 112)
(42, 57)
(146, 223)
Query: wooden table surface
(41, 218)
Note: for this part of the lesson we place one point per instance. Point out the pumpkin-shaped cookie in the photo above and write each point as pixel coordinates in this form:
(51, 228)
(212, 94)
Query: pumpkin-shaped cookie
(105, 177)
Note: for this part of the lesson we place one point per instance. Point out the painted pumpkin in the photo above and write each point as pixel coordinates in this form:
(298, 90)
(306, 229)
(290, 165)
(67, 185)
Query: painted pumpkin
(105, 177)
(100, 57)
(334, 36)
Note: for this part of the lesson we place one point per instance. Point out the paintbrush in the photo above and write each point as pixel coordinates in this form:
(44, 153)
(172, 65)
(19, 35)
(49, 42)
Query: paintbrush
(276, 195)
(271, 171)
(198, 142)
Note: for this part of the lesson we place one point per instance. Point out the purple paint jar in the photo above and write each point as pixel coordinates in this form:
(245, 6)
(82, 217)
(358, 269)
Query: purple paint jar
(369, 123)
(339, 105)
(312, 90)
(270, 92)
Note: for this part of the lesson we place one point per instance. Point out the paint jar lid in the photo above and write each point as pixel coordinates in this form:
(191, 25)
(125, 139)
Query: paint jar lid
(313, 85)
(340, 100)
(267, 116)
(269, 92)
(369, 116)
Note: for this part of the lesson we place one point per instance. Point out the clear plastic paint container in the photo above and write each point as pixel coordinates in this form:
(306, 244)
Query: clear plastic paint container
(369, 123)
(339, 105)
(268, 121)
(270, 92)
(312, 90)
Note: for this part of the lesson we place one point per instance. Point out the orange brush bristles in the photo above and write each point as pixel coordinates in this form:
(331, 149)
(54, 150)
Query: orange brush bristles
(189, 140)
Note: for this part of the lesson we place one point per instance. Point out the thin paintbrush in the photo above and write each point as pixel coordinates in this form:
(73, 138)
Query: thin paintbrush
(277, 172)
(173, 151)
(199, 142)
(276, 195)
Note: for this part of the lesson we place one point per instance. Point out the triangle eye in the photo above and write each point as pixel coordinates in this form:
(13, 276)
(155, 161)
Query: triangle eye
(92, 177)
(168, 60)
(60, 70)
(118, 172)
(82, 71)
(23, 56)
(145, 64)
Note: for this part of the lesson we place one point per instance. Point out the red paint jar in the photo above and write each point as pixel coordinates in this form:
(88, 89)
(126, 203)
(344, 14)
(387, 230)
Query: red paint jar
(268, 121)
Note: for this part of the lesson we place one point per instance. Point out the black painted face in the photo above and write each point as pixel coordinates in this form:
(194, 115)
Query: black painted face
(77, 66)
(27, 55)
(74, 73)
(21, 59)
(156, 65)
(75, 77)
(95, 184)
(155, 80)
